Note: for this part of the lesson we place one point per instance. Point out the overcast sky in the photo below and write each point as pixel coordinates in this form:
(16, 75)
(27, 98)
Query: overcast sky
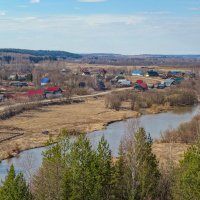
(102, 26)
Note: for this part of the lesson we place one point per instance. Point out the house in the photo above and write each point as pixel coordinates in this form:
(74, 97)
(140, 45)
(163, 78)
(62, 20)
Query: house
(168, 82)
(124, 83)
(137, 73)
(174, 74)
(12, 77)
(21, 77)
(161, 85)
(116, 79)
(139, 81)
(44, 81)
(18, 84)
(35, 93)
(178, 80)
(52, 92)
(152, 74)
(141, 87)
(18, 77)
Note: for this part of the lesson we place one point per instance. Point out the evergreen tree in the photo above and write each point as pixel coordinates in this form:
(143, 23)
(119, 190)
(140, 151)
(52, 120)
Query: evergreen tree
(14, 187)
(187, 179)
(147, 174)
(103, 171)
(119, 179)
(48, 183)
(82, 170)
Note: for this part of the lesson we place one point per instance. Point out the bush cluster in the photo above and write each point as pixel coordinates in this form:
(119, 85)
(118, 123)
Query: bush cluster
(139, 100)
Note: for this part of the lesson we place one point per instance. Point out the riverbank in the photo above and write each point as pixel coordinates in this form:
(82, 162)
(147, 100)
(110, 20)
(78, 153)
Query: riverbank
(37, 125)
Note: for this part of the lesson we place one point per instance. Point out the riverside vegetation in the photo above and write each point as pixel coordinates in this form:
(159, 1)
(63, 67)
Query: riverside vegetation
(72, 170)
(153, 101)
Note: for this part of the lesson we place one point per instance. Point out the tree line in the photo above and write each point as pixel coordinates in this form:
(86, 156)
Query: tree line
(74, 170)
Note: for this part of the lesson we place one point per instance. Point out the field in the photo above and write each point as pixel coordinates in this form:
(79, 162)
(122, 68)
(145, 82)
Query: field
(87, 116)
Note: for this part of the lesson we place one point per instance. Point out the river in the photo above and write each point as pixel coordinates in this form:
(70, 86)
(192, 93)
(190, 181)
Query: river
(114, 133)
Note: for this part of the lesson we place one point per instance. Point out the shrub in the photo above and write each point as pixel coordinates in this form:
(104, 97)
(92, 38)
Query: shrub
(113, 101)
(186, 133)
(183, 97)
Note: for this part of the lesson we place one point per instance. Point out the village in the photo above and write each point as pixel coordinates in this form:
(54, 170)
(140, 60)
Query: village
(32, 102)
(27, 86)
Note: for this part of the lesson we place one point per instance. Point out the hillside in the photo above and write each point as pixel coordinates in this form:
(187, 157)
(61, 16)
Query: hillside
(36, 56)
(42, 53)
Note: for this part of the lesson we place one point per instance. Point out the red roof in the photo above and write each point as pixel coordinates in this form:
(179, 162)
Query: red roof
(35, 92)
(143, 85)
(139, 81)
(52, 89)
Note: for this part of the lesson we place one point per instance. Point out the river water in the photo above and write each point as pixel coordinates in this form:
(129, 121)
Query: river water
(154, 124)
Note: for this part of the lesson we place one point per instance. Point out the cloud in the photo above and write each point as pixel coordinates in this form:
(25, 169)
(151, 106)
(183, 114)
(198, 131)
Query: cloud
(35, 1)
(91, 1)
(126, 34)
(2, 13)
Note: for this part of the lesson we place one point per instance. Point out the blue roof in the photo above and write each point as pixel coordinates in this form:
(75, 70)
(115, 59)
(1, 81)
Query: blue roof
(137, 72)
(45, 80)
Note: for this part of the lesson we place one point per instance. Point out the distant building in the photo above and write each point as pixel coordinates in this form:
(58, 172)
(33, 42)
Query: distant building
(168, 82)
(45, 81)
(137, 73)
(152, 74)
(52, 92)
(34, 93)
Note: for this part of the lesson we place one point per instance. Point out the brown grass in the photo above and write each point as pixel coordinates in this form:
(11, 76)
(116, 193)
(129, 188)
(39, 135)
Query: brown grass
(169, 152)
(88, 116)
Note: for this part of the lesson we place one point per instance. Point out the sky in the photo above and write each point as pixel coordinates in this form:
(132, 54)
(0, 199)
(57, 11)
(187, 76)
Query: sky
(128, 27)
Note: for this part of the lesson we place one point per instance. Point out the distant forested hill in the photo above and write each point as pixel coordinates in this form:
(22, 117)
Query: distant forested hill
(43, 53)
(8, 56)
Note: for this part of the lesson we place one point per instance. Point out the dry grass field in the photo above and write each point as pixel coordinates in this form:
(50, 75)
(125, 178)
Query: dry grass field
(88, 116)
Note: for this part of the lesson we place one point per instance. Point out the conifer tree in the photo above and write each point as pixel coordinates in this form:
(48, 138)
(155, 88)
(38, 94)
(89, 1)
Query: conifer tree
(82, 170)
(119, 179)
(103, 170)
(48, 183)
(187, 179)
(14, 187)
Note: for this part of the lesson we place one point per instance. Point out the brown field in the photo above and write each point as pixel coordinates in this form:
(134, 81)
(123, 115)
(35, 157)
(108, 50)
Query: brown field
(88, 116)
